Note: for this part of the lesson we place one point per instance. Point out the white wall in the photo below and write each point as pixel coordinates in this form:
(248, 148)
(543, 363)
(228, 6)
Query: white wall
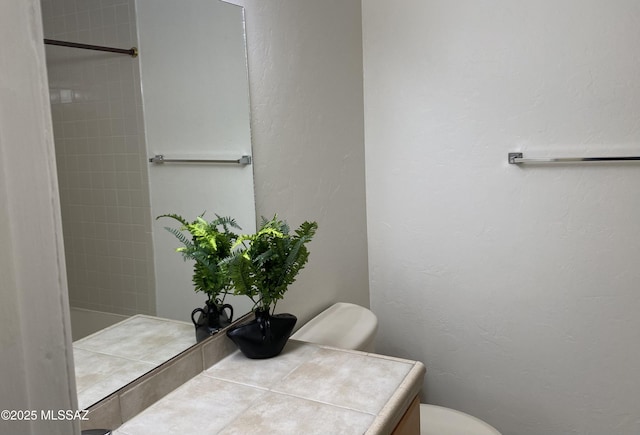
(305, 76)
(35, 336)
(516, 286)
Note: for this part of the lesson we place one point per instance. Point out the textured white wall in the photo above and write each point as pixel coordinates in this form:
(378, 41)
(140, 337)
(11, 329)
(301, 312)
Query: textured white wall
(516, 286)
(305, 76)
(36, 362)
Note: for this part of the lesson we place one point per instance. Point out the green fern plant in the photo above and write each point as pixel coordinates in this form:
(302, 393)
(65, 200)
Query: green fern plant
(268, 261)
(208, 244)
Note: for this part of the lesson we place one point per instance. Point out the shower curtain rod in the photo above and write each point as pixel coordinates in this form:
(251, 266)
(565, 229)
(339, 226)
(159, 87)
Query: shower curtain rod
(133, 51)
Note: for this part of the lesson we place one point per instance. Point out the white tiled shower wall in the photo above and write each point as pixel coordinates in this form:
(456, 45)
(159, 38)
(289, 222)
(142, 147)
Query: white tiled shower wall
(101, 156)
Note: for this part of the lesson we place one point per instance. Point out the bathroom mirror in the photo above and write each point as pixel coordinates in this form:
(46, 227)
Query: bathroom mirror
(185, 96)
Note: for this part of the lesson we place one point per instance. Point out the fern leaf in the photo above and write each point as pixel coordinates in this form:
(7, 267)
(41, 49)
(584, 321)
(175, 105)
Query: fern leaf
(176, 217)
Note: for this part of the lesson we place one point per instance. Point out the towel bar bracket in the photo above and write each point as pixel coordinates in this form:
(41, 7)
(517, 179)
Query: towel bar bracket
(513, 157)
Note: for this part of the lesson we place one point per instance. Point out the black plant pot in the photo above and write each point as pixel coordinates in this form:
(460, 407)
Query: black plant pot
(213, 317)
(264, 336)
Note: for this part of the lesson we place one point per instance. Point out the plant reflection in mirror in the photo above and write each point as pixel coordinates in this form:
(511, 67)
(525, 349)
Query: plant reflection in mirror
(207, 243)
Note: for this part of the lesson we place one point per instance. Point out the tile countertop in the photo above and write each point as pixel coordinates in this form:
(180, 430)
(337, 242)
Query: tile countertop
(308, 389)
(111, 358)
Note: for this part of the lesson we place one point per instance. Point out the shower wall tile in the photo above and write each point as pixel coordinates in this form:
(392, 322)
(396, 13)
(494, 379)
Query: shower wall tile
(98, 127)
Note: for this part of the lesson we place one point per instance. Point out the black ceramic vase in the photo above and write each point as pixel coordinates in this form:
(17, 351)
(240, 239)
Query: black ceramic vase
(213, 317)
(264, 336)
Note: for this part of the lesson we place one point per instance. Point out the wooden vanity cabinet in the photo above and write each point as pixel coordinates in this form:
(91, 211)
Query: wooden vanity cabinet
(410, 422)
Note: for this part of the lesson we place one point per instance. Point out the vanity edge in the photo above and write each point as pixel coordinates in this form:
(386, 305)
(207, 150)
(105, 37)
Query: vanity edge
(401, 402)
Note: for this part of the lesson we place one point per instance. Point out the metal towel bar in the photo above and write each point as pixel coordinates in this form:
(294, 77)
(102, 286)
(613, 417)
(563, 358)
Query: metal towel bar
(159, 159)
(518, 159)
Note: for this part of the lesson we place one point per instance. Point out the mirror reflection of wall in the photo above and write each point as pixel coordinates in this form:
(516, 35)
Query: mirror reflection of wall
(196, 105)
(101, 158)
(120, 262)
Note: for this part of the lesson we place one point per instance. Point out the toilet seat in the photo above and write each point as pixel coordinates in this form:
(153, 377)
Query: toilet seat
(438, 420)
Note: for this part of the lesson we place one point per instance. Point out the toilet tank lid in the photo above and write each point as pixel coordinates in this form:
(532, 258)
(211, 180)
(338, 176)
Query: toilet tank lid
(342, 325)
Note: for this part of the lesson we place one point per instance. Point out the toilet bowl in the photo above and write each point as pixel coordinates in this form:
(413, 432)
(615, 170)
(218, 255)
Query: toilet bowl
(349, 326)
(438, 420)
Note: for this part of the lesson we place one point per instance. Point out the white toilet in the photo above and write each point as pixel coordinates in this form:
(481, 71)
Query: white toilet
(349, 326)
